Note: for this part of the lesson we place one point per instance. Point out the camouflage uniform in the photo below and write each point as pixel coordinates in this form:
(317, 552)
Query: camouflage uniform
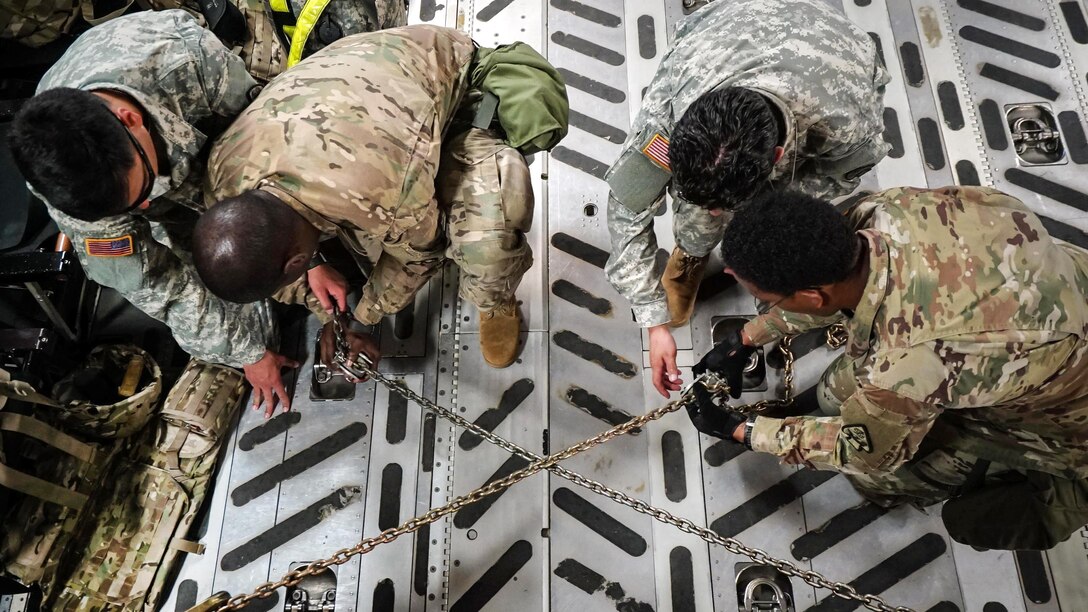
(971, 313)
(821, 71)
(352, 139)
(189, 86)
(342, 18)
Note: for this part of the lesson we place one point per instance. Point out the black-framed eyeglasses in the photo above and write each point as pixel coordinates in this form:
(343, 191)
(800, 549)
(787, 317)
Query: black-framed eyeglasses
(763, 308)
(149, 174)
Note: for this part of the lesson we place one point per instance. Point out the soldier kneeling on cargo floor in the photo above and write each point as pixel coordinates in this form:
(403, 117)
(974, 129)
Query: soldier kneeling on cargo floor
(965, 375)
(356, 142)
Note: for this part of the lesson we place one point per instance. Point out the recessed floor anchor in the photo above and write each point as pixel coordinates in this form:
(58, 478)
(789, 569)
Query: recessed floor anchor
(1035, 134)
(763, 589)
(755, 371)
(315, 593)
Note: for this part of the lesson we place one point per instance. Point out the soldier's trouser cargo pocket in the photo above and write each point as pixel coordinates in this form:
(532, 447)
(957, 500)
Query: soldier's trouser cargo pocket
(1031, 511)
(484, 185)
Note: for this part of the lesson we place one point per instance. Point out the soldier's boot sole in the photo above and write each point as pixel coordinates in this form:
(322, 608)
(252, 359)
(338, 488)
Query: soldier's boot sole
(681, 279)
(499, 332)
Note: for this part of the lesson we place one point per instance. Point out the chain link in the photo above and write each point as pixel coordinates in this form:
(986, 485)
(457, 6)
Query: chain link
(714, 384)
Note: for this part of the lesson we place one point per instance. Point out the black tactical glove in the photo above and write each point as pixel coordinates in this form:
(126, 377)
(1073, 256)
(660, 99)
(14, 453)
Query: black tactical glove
(727, 359)
(711, 419)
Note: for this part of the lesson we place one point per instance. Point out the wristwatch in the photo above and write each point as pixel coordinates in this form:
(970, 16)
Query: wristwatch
(749, 425)
(317, 260)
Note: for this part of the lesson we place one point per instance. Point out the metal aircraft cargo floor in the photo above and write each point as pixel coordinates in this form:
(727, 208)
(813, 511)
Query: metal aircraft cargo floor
(306, 483)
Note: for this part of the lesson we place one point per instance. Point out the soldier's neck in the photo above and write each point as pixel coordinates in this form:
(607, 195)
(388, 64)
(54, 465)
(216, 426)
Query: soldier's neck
(849, 292)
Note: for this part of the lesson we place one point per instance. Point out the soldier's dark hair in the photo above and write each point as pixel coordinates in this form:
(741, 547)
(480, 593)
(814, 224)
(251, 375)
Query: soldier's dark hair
(241, 244)
(786, 241)
(722, 149)
(71, 149)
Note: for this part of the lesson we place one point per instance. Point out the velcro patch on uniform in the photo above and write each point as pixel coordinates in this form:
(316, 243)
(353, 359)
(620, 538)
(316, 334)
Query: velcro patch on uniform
(857, 436)
(109, 247)
(658, 151)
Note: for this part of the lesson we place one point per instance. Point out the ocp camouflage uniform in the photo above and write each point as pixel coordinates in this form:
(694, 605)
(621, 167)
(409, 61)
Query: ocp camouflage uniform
(822, 73)
(352, 140)
(189, 86)
(970, 341)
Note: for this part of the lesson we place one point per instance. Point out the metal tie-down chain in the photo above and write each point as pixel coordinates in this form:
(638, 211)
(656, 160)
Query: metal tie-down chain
(362, 369)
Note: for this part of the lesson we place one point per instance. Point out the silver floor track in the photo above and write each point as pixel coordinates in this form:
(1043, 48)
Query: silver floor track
(303, 484)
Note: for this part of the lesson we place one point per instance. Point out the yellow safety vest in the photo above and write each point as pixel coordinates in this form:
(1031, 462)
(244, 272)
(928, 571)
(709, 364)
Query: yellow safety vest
(295, 31)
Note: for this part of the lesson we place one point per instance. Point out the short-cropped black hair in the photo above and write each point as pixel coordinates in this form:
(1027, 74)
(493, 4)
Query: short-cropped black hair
(722, 149)
(240, 246)
(74, 152)
(786, 241)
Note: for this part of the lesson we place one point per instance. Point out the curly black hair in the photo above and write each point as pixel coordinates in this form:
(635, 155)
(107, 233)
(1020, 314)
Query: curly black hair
(71, 149)
(786, 241)
(722, 149)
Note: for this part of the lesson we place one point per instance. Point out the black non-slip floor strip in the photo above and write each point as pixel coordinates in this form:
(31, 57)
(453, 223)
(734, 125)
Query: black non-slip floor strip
(288, 529)
(491, 418)
(269, 430)
(770, 500)
(889, 572)
(590, 13)
(600, 522)
(595, 353)
(297, 463)
(495, 578)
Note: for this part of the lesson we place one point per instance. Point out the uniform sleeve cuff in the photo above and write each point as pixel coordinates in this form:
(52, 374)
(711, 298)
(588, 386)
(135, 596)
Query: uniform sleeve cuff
(760, 333)
(765, 434)
(245, 358)
(652, 314)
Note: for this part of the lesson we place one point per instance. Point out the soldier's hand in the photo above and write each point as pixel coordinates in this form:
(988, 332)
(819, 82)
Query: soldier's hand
(357, 343)
(328, 286)
(711, 419)
(666, 377)
(727, 359)
(267, 382)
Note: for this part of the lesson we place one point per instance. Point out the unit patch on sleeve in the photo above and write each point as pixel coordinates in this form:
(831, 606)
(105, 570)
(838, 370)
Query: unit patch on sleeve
(857, 436)
(109, 247)
(658, 151)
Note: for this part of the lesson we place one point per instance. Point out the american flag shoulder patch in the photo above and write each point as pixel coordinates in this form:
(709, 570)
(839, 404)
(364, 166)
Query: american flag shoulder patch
(658, 151)
(109, 247)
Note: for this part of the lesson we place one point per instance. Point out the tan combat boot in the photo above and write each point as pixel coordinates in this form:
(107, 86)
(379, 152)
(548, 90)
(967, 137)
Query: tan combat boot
(681, 281)
(499, 330)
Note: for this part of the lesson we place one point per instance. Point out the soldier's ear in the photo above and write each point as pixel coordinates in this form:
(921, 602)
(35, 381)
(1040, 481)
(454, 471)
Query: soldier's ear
(778, 153)
(129, 117)
(295, 266)
(813, 299)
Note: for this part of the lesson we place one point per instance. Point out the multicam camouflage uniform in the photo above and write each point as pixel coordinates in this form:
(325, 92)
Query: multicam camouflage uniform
(352, 140)
(189, 86)
(821, 71)
(972, 313)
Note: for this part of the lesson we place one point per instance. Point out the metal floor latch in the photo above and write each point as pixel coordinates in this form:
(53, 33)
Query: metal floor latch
(763, 589)
(312, 593)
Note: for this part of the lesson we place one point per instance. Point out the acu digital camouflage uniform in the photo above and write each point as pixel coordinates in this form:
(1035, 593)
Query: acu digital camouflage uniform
(343, 18)
(189, 86)
(970, 341)
(822, 73)
(352, 139)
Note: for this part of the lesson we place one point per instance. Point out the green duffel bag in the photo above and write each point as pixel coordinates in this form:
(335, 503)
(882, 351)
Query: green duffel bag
(524, 92)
